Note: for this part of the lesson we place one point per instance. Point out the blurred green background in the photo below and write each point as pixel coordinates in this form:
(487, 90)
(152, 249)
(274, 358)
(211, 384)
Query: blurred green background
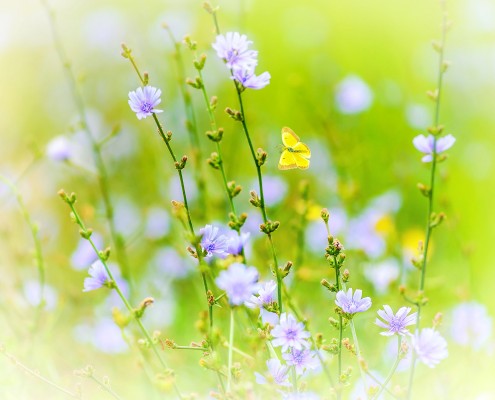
(309, 48)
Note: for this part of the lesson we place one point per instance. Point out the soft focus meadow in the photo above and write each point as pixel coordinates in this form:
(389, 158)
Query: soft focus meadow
(367, 275)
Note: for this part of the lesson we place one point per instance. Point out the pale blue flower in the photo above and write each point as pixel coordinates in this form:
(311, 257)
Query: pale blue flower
(426, 144)
(430, 347)
(214, 243)
(248, 79)
(352, 303)
(59, 149)
(144, 100)
(302, 360)
(471, 325)
(98, 277)
(278, 374)
(395, 324)
(353, 95)
(236, 242)
(84, 255)
(267, 294)
(239, 282)
(290, 334)
(233, 48)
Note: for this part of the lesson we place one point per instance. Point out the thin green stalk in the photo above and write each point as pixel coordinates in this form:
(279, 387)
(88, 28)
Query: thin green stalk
(127, 54)
(262, 197)
(358, 353)
(214, 127)
(231, 344)
(40, 263)
(294, 378)
(374, 378)
(95, 146)
(191, 124)
(260, 179)
(341, 328)
(37, 375)
(299, 316)
(117, 288)
(392, 371)
(104, 387)
(238, 351)
(431, 189)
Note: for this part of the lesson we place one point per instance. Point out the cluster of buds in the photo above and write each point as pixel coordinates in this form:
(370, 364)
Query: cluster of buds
(234, 114)
(255, 199)
(68, 198)
(237, 221)
(215, 136)
(196, 83)
(268, 227)
(145, 303)
(179, 165)
(199, 64)
(261, 156)
(192, 44)
(214, 161)
(233, 189)
(286, 269)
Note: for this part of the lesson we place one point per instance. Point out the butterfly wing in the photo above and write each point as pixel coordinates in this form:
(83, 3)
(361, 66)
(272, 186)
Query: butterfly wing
(287, 160)
(289, 138)
(301, 161)
(302, 150)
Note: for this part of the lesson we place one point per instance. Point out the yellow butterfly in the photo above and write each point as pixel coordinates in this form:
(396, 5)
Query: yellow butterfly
(295, 153)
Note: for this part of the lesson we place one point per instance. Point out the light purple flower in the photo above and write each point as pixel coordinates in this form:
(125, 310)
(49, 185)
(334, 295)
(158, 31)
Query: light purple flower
(352, 304)
(471, 325)
(236, 242)
(247, 78)
(239, 281)
(353, 95)
(144, 100)
(430, 347)
(302, 359)
(213, 243)
(266, 295)
(84, 255)
(278, 374)
(425, 145)
(59, 149)
(382, 274)
(98, 277)
(233, 48)
(395, 324)
(290, 334)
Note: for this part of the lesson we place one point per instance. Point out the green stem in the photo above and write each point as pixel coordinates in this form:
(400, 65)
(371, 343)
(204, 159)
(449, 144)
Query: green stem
(262, 197)
(37, 247)
(238, 351)
(106, 388)
(214, 127)
(341, 328)
(374, 378)
(37, 375)
(96, 148)
(294, 378)
(231, 343)
(392, 371)
(431, 192)
(358, 353)
(117, 288)
(191, 124)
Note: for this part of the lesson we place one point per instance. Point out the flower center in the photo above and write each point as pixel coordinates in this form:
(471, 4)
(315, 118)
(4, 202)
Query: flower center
(291, 334)
(146, 107)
